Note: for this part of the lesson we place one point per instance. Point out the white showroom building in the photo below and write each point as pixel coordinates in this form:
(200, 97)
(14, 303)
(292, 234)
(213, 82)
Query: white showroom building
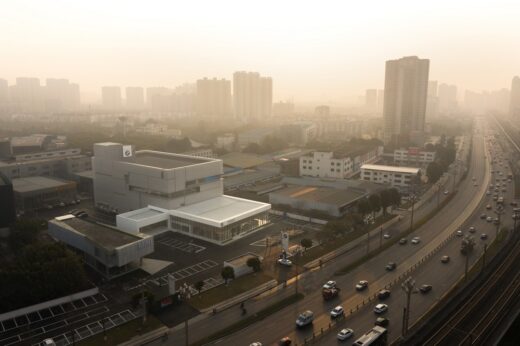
(155, 191)
(400, 177)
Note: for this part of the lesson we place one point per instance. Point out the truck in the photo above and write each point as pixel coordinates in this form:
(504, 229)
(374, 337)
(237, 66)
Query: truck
(330, 293)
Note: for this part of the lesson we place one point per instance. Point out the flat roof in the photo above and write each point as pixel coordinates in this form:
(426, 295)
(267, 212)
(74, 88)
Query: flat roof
(242, 160)
(85, 174)
(166, 160)
(220, 211)
(141, 214)
(30, 184)
(395, 169)
(338, 197)
(106, 237)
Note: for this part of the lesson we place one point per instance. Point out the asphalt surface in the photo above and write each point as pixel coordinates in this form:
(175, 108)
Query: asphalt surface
(466, 203)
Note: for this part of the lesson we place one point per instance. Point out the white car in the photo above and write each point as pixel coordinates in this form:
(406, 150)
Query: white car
(380, 308)
(256, 344)
(459, 233)
(285, 262)
(416, 240)
(362, 285)
(472, 229)
(345, 334)
(337, 311)
(386, 236)
(329, 284)
(489, 219)
(446, 192)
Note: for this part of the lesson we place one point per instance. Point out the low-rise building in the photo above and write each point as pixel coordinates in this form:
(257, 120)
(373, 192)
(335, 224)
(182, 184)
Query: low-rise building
(34, 193)
(337, 165)
(110, 252)
(399, 177)
(413, 156)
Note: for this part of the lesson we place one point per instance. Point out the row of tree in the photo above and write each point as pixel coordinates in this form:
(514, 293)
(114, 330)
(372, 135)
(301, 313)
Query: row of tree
(445, 154)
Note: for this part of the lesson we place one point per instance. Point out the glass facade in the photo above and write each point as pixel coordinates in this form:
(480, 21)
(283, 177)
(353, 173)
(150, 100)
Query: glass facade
(220, 234)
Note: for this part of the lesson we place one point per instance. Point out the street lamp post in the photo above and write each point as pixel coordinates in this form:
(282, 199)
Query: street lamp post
(413, 198)
(408, 287)
(498, 211)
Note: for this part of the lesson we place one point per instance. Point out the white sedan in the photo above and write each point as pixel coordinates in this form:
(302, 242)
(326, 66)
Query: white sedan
(416, 240)
(337, 311)
(329, 284)
(380, 308)
(345, 334)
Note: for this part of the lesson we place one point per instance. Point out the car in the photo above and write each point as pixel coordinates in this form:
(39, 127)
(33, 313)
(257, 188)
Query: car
(496, 221)
(305, 318)
(446, 192)
(337, 311)
(286, 341)
(488, 192)
(285, 262)
(257, 343)
(345, 334)
(61, 204)
(383, 294)
(416, 240)
(495, 197)
(445, 259)
(459, 233)
(390, 266)
(472, 229)
(483, 216)
(382, 321)
(514, 203)
(403, 241)
(425, 288)
(483, 236)
(475, 184)
(329, 284)
(386, 236)
(380, 308)
(489, 219)
(491, 185)
(361, 285)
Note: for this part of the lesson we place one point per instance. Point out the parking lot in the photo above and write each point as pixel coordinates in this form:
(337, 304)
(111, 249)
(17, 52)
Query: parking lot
(169, 240)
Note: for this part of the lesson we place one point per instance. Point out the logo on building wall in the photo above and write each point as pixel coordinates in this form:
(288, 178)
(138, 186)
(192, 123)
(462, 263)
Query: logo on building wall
(127, 150)
(285, 241)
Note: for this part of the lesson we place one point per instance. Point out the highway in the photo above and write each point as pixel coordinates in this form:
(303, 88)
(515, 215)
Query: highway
(466, 203)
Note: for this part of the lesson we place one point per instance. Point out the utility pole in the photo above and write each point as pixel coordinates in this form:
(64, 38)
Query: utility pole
(498, 211)
(408, 287)
(484, 257)
(413, 205)
(438, 193)
(368, 242)
(381, 237)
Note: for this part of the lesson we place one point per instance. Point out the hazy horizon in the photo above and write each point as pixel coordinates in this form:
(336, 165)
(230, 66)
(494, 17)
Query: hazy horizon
(314, 52)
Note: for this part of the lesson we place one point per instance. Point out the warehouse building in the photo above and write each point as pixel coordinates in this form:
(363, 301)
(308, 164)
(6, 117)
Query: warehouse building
(36, 193)
(110, 252)
(399, 177)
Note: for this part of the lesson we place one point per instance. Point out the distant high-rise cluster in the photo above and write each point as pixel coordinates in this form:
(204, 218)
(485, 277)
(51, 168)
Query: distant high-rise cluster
(514, 103)
(406, 88)
(252, 96)
(29, 96)
(111, 97)
(213, 97)
(134, 98)
(447, 98)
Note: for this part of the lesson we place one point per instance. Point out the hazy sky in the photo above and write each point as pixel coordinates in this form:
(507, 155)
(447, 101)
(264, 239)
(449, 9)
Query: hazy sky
(314, 50)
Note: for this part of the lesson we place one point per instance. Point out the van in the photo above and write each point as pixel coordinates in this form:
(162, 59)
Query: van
(305, 318)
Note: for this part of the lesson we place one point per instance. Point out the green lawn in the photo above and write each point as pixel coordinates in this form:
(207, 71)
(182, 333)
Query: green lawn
(220, 293)
(123, 332)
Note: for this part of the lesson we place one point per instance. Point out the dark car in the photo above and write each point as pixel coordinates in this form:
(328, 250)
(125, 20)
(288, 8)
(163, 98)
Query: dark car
(391, 266)
(425, 288)
(382, 321)
(383, 294)
(403, 241)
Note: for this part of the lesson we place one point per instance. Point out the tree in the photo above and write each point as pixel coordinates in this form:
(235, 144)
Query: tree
(433, 172)
(363, 207)
(386, 201)
(395, 197)
(335, 226)
(199, 285)
(375, 204)
(228, 273)
(24, 232)
(306, 243)
(254, 262)
(324, 235)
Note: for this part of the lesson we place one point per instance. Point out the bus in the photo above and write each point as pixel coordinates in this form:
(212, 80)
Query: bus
(376, 337)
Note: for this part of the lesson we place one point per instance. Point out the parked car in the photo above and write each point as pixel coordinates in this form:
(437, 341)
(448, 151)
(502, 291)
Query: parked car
(488, 207)
(257, 343)
(459, 233)
(386, 236)
(337, 311)
(445, 259)
(489, 219)
(345, 334)
(425, 288)
(483, 216)
(380, 308)
(446, 192)
(383, 294)
(286, 341)
(361, 285)
(382, 321)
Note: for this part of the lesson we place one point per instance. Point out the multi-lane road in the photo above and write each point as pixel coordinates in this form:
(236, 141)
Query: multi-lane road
(463, 210)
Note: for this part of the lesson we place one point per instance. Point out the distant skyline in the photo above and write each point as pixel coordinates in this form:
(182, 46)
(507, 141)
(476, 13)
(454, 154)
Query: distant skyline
(314, 51)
